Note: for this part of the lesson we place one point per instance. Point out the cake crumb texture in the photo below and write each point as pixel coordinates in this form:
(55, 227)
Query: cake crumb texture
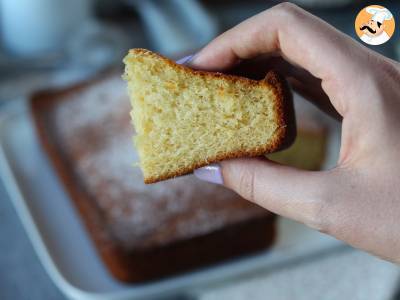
(185, 119)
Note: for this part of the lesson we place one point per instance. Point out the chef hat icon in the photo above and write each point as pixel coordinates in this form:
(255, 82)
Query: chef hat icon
(379, 14)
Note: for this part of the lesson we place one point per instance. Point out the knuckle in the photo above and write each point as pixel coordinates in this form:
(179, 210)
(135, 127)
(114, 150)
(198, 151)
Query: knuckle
(391, 71)
(288, 8)
(319, 213)
(246, 184)
(317, 218)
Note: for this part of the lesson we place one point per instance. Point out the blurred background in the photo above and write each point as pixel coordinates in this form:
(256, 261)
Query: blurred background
(56, 43)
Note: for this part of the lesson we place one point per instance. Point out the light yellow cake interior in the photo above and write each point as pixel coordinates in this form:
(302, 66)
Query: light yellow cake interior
(183, 119)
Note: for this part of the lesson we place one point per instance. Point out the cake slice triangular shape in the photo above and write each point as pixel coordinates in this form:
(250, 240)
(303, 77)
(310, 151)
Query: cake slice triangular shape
(185, 119)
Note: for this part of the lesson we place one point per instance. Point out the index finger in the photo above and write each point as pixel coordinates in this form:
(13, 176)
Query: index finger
(300, 37)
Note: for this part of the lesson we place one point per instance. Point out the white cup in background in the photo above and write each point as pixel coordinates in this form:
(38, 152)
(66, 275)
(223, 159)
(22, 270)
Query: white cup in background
(34, 27)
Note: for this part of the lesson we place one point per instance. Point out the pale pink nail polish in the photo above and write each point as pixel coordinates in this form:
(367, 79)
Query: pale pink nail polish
(185, 60)
(211, 173)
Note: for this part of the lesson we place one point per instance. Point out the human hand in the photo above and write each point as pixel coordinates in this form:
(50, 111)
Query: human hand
(358, 201)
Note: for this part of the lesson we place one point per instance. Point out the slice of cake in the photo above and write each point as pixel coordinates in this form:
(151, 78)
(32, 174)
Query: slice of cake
(186, 119)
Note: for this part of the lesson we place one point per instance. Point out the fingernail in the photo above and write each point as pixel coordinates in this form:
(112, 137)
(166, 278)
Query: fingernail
(211, 173)
(185, 60)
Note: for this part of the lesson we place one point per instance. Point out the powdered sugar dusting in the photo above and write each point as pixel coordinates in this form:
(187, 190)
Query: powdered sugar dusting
(95, 131)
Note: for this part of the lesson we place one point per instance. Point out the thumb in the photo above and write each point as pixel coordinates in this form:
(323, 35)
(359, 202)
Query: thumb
(293, 193)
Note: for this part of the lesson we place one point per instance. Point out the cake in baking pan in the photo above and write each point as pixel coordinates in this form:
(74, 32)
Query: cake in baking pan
(142, 232)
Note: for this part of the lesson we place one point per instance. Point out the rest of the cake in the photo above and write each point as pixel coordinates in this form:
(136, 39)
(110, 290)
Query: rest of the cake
(185, 119)
(143, 232)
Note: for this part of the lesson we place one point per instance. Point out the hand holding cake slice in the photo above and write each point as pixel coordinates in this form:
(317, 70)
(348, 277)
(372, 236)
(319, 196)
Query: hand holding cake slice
(186, 119)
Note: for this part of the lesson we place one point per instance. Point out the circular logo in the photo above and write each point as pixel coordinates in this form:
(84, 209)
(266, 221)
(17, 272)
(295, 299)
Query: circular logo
(374, 25)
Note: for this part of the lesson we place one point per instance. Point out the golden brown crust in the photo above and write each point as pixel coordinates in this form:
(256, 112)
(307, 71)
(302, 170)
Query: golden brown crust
(41, 105)
(274, 81)
(285, 109)
(284, 136)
